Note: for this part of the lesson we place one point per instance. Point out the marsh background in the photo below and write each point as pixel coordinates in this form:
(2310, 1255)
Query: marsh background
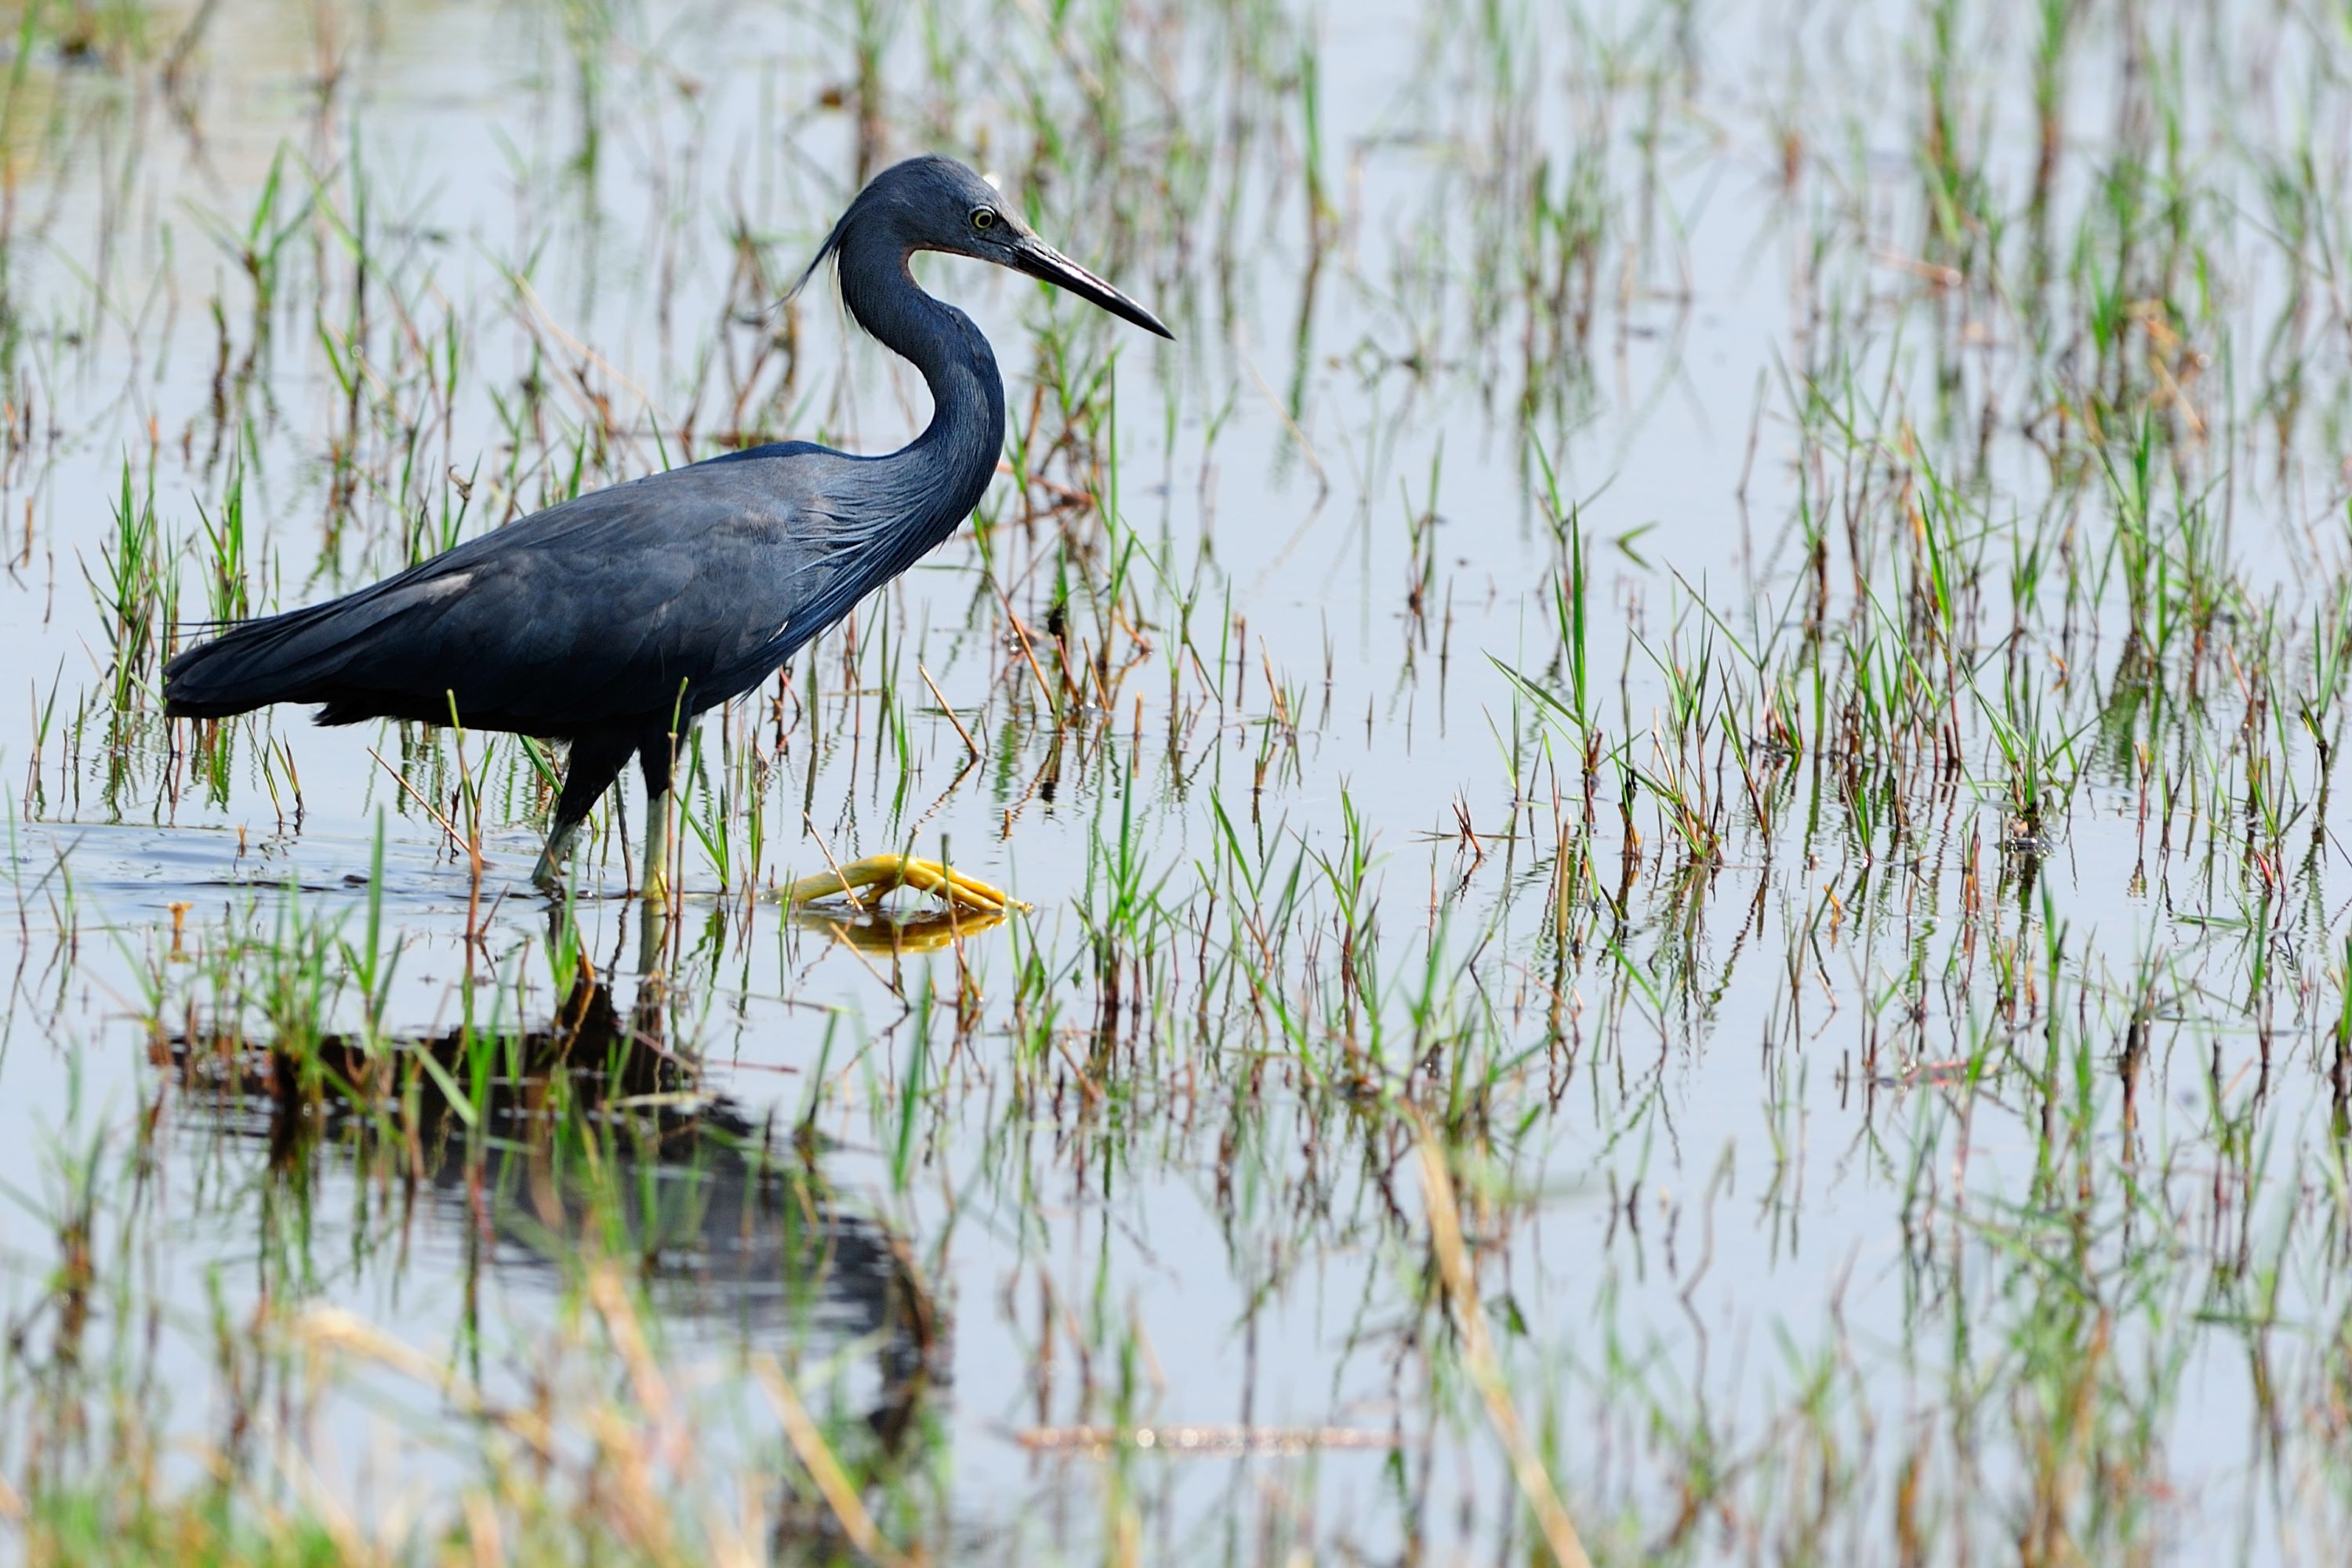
(1675, 768)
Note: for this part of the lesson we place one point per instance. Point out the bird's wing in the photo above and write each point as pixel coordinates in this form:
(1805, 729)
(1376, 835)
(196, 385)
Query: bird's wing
(604, 609)
(623, 603)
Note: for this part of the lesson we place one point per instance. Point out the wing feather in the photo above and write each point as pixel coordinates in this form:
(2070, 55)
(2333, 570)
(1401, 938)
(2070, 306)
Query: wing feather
(597, 611)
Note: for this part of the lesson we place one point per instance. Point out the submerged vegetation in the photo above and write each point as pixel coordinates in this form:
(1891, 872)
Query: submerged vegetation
(1674, 775)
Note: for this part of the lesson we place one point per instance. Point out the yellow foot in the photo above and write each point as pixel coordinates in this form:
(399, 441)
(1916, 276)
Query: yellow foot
(887, 871)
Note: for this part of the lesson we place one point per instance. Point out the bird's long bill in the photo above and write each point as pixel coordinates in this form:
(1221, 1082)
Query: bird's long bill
(1042, 260)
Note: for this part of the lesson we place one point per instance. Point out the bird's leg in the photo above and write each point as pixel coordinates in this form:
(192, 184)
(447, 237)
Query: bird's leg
(889, 871)
(596, 761)
(547, 872)
(654, 758)
(653, 886)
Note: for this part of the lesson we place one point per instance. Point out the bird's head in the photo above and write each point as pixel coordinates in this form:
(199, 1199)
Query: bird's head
(937, 203)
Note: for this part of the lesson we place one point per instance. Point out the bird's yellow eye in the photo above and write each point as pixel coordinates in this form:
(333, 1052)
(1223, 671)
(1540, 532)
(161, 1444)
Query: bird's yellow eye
(983, 218)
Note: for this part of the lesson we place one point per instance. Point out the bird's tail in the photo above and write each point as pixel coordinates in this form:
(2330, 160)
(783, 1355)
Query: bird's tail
(289, 658)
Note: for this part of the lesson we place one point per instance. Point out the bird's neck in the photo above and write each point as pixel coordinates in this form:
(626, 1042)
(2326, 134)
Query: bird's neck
(949, 464)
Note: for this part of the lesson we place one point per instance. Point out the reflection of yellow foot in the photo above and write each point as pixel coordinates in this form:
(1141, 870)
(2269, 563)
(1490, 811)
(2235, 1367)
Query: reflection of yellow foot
(926, 932)
(887, 871)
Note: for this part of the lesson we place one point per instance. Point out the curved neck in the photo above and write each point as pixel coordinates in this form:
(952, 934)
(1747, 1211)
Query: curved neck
(946, 470)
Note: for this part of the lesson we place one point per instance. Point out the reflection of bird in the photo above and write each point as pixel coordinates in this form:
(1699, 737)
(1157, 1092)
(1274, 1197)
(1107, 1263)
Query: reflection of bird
(611, 620)
(727, 1224)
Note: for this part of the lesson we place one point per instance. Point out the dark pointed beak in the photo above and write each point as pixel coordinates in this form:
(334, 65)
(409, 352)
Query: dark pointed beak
(1040, 259)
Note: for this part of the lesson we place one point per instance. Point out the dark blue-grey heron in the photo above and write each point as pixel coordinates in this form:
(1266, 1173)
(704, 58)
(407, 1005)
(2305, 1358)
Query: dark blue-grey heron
(611, 620)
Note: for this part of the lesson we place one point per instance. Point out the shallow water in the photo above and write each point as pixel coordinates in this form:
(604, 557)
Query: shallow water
(1883, 1034)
